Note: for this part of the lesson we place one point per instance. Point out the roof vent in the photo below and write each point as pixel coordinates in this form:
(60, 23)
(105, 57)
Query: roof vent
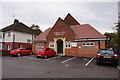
(16, 21)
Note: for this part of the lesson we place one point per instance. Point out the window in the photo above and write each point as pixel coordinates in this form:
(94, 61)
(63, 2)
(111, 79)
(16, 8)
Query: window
(88, 44)
(19, 46)
(23, 49)
(68, 45)
(9, 34)
(34, 36)
(0, 46)
(40, 45)
(9, 47)
(51, 50)
(28, 41)
(0, 35)
(51, 44)
(40, 49)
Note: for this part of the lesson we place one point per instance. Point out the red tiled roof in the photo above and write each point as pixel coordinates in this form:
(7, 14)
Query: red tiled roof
(42, 36)
(86, 31)
(71, 20)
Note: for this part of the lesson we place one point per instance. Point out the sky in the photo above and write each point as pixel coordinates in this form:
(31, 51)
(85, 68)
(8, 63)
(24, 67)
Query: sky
(102, 15)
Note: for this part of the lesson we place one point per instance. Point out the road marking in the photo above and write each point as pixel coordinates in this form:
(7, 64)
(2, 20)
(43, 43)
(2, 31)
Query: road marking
(52, 58)
(39, 59)
(68, 60)
(29, 57)
(118, 67)
(89, 62)
(33, 58)
(66, 65)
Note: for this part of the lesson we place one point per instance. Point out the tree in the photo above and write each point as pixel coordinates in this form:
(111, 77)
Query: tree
(112, 38)
(118, 33)
(36, 28)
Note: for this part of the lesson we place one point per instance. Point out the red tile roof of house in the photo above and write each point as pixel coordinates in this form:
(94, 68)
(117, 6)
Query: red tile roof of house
(43, 35)
(86, 31)
(71, 20)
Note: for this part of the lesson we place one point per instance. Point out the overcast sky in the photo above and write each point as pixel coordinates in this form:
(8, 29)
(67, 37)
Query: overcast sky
(101, 15)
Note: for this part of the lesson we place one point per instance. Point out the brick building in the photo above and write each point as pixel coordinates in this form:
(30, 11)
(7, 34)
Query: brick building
(69, 37)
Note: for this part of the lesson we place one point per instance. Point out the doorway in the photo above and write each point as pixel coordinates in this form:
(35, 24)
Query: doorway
(59, 46)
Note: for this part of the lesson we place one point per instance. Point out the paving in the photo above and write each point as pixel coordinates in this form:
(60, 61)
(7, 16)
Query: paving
(55, 67)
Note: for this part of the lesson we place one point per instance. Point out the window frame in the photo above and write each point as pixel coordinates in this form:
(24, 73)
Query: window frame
(40, 45)
(87, 43)
(51, 45)
(9, 34)
(68, 44)
(8, 47)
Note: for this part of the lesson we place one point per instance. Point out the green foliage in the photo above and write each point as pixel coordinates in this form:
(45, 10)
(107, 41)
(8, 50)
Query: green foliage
(112, 38)
(36, 28)
(118, 33)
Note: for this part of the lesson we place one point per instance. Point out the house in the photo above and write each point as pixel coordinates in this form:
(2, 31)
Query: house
(69, 37)
(15, 36)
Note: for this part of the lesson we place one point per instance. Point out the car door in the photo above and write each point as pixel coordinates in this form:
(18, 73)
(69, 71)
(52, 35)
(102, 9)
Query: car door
(48, 52)
(22, 51)
(51, 52)
(27, 51)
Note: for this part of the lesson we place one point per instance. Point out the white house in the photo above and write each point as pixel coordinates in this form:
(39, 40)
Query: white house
(16, 35)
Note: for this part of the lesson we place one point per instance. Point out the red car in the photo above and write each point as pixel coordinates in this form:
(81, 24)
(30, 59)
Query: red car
(45, 52)
(21, 51)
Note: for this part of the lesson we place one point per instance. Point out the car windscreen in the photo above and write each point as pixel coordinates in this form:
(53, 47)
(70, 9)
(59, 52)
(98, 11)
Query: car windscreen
(40, 49)
(106, 52)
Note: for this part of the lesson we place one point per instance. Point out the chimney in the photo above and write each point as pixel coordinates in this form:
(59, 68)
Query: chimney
(16, 21)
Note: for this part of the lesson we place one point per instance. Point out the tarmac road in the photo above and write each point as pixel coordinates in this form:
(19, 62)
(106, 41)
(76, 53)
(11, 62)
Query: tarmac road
(31, 67)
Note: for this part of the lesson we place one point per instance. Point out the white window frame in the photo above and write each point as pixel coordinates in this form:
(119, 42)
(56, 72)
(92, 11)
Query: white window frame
(8, 47)
(40, 45)
(68, 44)
(86, 43)
(1, 46)
(51, 44)
(9, 34)
(1, 36)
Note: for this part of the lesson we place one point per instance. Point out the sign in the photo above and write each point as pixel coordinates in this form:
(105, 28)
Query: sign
(73, 44)
(59, 33)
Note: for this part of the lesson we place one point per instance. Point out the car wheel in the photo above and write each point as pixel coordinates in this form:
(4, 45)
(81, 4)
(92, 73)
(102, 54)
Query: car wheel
(45, 56)
(31, 53)
(18, 54)
(37, 56)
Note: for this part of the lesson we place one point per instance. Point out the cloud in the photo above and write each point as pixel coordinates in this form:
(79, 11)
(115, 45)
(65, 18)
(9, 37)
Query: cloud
(101, 15)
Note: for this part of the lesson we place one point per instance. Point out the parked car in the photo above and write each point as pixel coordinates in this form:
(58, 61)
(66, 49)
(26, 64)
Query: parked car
(107, 56)
(45, 52)
(21, 51)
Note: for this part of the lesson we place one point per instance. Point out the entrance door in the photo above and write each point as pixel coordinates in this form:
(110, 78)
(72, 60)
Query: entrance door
(60, 46)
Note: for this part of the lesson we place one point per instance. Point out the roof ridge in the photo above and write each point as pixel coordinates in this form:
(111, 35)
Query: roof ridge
(54, 25)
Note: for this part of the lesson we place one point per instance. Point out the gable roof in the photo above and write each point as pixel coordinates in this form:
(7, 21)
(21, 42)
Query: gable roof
(60, 26)
(86, 31)
(20, 27)
(42, 36)
(71, 20)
